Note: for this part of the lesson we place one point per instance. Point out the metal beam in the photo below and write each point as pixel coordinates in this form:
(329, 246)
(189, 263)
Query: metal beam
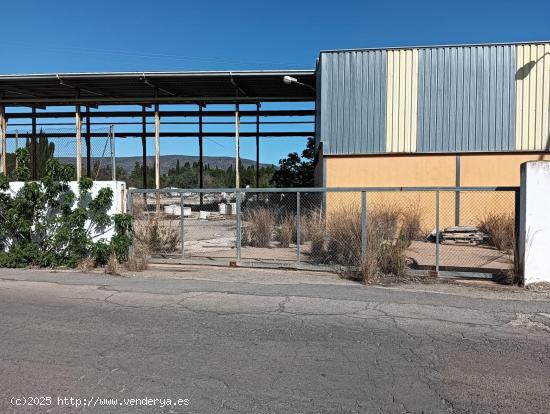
(79, 88)
(201, 166)
(157, 154)
(228, 134)
(144, 144)
(78, 126)
(172, 114)
(257, 145)
(33, 145)
(457, 193)
(159, 100)
(3, 128)
(88, 145)
(237, 146)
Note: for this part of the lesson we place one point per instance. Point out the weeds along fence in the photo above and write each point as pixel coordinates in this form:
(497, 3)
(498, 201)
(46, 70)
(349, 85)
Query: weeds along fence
(376, 231)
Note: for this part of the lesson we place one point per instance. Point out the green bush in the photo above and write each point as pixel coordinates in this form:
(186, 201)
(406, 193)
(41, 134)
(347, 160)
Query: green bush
(45, 224)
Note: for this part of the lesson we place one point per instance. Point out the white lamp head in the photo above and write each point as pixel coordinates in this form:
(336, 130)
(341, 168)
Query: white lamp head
(289, 79)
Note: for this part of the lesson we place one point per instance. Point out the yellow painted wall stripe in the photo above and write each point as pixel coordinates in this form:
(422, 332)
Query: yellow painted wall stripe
(533, 97)
(401, 100)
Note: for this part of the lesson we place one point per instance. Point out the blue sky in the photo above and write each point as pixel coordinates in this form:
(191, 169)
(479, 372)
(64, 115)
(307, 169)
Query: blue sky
(73, 36)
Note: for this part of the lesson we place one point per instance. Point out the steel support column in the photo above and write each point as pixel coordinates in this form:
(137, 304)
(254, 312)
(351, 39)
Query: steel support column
(157, 154)
(33, 144)
(88, 145)
(257, 145)
(3, 127)
(457, 193)
(201, 161)
(78, 122)
(237, 145)
(144, 145)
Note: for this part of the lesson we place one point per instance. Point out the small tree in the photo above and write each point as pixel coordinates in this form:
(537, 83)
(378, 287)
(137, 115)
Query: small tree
(296, 171)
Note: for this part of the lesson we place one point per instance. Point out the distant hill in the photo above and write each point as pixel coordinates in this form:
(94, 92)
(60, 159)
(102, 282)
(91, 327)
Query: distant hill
(169, 161)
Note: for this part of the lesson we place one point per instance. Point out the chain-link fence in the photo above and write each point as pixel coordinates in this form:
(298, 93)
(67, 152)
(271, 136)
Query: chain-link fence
(60, 143)
(371, 230)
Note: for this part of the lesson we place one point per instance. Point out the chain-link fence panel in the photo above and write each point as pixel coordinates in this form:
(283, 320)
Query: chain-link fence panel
(157, 224)
(209, 226)
(269, 227)
(370, 232)
(477, 231)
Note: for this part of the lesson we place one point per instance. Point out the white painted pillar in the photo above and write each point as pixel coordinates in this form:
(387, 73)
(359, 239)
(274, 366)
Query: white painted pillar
(3, 128)
(534, 226)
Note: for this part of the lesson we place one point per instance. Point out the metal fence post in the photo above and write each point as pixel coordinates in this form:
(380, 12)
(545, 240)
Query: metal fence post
(182, 225)
(113, 156)
(437, 233)
(130, 210)
(238, 226)
(298, 227)
(363, 222)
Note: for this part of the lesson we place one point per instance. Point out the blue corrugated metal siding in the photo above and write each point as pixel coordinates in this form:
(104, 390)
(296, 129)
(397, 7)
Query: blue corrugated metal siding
(353, 102)
(466, 99)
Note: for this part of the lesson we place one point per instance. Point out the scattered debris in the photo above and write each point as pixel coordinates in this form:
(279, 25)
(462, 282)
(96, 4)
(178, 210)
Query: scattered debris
(469, 235)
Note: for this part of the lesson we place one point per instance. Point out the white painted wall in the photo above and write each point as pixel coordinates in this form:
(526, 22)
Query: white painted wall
(534, 229)
(118, 206)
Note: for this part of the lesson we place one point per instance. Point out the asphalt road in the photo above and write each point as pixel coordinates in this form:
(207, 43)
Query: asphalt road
(268, 342)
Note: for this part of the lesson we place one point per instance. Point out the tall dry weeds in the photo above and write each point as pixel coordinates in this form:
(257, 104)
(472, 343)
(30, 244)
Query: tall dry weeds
(258, 227)
(286, 230)
(157, 234)
(500, 229)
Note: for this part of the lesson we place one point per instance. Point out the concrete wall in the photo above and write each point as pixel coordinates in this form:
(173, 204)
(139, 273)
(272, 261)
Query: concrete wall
(118, 206)
(487, 169)
(422, 170)
(534, 240)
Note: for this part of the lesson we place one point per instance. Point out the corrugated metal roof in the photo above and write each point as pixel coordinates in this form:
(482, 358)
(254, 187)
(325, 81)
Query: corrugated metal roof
(139, 87)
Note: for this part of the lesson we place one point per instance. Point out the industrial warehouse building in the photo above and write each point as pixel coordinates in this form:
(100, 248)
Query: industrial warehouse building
(432, 116)
(421, 116)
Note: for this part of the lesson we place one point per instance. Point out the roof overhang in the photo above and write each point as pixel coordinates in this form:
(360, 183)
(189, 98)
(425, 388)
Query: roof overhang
(155, 87)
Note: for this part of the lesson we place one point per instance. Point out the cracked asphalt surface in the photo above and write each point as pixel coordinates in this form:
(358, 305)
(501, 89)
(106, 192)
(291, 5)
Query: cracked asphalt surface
(269, 341)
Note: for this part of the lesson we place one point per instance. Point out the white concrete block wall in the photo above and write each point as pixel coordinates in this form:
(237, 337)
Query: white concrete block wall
(118, 205)
(534, 229)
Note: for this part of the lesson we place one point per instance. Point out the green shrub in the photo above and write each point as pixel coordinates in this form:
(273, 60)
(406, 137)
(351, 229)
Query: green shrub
(45, 224)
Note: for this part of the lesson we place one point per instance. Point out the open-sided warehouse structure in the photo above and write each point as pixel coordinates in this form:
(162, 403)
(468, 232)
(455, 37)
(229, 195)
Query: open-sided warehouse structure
(148, 96)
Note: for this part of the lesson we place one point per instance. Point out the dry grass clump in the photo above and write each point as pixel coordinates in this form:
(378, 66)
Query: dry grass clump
(313, 230)
(285, 232)
(385, 244)
(258, 228)
(112, 267)
(390, 231)
(86, 265)
(157, 234)
(138, 261)
(411, 228)
(343, 230)
(500, 229)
